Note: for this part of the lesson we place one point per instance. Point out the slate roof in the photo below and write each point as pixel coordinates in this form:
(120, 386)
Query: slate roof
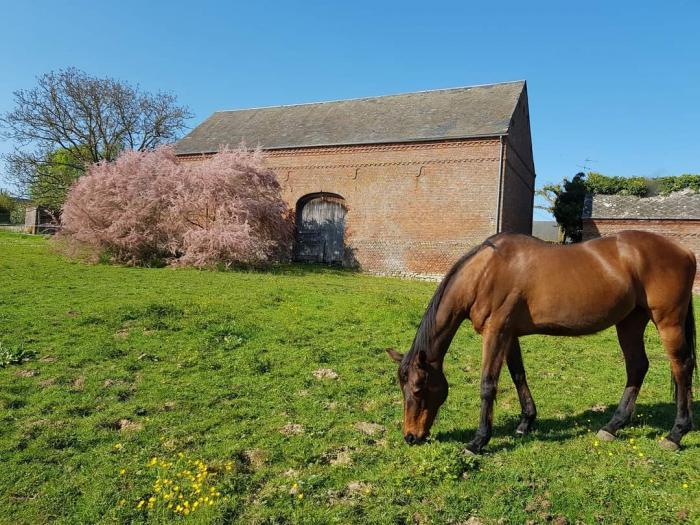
(680, 205)
(466, 112)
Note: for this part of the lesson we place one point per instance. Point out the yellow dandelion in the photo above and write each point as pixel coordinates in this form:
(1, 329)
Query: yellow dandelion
(151, 499)
(118, 446)
(186, 511)
(300, 496)
(122, 502)
(140, 504)
(641, 455)
(685, 485)
(180, 455)
(122, 472)
(609, 453)
(195, 504)
(408, 491)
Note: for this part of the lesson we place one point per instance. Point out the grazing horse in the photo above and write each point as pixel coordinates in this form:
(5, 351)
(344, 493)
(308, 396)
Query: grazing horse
(513, 285)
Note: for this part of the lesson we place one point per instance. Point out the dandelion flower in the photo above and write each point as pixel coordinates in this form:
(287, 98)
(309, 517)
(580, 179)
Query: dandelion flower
(118, 446)
(300, 496)
(685, 485)
(122, 472)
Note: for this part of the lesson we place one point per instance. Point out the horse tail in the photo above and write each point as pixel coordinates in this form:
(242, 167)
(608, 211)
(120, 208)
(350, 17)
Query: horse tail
(690, 346)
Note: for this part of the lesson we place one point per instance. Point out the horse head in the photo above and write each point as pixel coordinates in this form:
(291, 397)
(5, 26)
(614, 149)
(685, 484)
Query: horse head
(424, 389)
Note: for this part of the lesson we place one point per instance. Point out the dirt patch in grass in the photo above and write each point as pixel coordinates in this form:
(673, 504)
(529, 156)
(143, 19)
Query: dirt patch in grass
(370, 429)
(325, 373)
(292, 429)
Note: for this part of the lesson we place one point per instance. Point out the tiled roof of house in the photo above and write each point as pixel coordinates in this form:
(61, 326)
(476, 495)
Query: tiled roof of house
(466, 112)
(679, 205)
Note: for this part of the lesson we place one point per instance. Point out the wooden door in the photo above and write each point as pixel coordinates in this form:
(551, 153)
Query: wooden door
(321, 229)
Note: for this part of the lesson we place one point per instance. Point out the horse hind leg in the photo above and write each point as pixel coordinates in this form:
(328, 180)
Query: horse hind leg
(514, 359)
(677, 338)
(630, 334)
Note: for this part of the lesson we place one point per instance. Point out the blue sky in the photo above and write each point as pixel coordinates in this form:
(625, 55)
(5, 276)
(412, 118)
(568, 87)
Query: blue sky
(614, 82)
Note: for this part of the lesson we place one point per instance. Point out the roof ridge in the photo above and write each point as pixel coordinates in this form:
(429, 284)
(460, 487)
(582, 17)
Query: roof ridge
(374, 97)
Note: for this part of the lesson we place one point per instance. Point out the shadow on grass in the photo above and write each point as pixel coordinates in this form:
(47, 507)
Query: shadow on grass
(300, 269)
(657, 418)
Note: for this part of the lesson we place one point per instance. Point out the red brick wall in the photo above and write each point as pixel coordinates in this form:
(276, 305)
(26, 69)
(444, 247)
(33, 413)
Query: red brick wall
(686, 233)
(413, 209)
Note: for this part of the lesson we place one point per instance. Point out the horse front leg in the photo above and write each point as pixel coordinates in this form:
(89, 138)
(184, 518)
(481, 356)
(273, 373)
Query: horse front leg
(494, 349)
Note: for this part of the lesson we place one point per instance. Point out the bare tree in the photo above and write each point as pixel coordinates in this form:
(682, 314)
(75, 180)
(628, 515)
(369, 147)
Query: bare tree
(85, 120)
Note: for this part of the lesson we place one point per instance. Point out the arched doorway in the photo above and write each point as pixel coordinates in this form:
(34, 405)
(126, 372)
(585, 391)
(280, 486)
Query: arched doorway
(321, 228)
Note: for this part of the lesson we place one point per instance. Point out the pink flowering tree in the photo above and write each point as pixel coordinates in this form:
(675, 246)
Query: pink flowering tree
(146, 207)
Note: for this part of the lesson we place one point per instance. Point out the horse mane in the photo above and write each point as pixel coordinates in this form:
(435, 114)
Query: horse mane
(427, 324)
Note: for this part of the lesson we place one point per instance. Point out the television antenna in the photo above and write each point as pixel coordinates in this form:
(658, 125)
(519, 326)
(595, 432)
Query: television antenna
(585, 165)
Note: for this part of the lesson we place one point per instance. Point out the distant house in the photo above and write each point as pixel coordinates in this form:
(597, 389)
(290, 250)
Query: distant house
(676, 216)
(400, 184)
(549, 231)
(38, 219)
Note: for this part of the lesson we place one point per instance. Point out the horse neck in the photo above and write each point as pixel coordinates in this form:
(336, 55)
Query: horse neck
(450, 314)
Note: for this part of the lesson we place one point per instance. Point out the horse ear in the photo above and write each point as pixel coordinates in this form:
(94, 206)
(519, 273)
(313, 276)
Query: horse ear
(422, 359)
(395, 356)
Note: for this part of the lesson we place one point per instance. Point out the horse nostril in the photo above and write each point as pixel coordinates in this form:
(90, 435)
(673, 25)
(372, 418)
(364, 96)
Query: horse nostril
(410, 439)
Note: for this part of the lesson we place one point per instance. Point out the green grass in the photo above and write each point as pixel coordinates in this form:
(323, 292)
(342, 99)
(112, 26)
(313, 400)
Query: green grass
(114, 366)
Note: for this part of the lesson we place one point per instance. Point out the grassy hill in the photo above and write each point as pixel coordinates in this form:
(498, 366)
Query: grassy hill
(267, 398)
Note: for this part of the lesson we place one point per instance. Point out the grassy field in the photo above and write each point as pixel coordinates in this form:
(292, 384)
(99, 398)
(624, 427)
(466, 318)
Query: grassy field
(136, 386)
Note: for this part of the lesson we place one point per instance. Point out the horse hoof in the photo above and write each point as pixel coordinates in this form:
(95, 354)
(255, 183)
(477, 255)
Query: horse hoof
(468, 452)
(667, 444)
(604, 435)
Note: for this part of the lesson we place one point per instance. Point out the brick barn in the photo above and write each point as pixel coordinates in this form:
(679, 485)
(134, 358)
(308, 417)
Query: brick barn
(400, 184)
(676, 216)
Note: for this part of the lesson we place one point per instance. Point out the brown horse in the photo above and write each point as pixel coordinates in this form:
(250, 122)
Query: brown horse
(514, 285)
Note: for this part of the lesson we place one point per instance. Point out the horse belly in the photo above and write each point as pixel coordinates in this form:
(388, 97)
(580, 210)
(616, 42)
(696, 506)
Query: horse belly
(572, 306)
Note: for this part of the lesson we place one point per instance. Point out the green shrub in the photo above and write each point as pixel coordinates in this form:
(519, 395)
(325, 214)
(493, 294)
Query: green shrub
(640, 186)
(666, 185)
(606, 185)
